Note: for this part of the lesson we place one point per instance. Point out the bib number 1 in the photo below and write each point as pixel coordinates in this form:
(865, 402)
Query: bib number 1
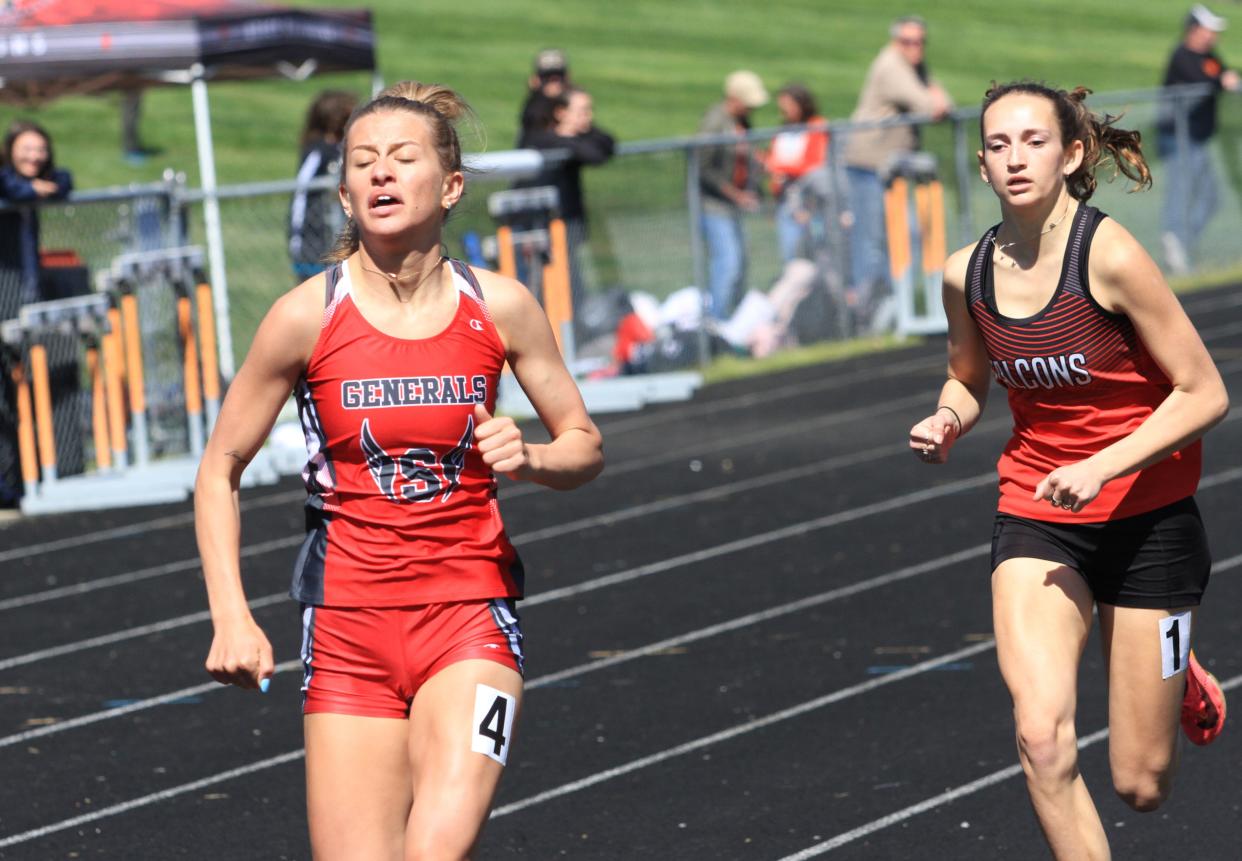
(493, 722)
(1174, 643)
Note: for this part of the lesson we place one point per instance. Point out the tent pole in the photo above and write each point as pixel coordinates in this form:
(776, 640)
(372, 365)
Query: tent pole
(211, 220)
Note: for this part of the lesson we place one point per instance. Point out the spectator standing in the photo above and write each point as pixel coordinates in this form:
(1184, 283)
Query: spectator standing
(1191, 196)
(897, 84)
(549, 82)
(133, 149)
(569, 126)
(28, 174)
(794, 161)
(729, 180)
(315, 214)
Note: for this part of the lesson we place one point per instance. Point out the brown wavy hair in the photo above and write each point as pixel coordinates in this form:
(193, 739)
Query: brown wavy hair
(1101, 140)
(440, 106)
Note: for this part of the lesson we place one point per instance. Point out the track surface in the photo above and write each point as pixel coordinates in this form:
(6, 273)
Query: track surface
(763, 633)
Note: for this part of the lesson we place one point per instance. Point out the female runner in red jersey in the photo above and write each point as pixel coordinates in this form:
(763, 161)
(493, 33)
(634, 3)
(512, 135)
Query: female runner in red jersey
(411, 647)
(1110, 389)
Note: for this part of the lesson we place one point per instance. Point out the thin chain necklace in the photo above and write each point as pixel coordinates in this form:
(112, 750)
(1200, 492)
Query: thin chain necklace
(1001, 249)
(394, 279)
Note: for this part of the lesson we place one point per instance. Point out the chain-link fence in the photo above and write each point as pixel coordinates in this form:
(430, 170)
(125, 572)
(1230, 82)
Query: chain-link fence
(642, 250)
(643, 243)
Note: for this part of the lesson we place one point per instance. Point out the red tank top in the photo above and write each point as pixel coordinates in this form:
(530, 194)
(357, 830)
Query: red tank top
(1079, 379)
(401, 508)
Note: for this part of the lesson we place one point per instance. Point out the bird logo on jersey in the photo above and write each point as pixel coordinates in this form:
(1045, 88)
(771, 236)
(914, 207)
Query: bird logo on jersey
(419, 474)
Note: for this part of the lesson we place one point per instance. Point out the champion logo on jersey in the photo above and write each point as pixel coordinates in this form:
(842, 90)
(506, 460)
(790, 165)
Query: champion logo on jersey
(413, 392)
(476, 325)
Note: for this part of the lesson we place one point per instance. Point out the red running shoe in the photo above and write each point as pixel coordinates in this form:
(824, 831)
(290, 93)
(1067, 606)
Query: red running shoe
(1203, 706)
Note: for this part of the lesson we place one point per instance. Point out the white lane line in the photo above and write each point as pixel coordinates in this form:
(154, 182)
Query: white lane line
(767, 615)
(128, 708)
(699, 448)
(762, 538)
(140, 575)
(638, 764)
(556, 594)
(846, 380)
(570, 672)
(638, 423)
(786, 714)
(127, 634)
(153, 798)
(741, 729)
(751, 399)
(140, 528)
(944, 798)
(668, 503)
(750, 726)
(607, 580)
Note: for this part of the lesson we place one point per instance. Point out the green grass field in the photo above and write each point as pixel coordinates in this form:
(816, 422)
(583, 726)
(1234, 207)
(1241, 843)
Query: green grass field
(653, 66)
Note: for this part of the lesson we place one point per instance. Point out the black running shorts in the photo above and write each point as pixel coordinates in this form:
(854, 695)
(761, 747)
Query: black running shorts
(1158, 559)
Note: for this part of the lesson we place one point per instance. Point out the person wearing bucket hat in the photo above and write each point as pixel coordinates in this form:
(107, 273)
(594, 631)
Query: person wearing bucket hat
(729, 180)
(1191, 187)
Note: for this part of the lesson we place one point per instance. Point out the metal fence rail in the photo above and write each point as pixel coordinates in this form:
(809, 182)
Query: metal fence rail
(641, 248)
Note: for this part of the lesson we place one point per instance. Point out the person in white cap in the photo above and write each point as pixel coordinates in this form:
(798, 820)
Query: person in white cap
(897, 84)
(729, 179)
(1190, 183)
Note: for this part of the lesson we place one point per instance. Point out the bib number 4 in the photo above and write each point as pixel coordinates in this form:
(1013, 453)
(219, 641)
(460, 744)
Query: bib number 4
(493, 722)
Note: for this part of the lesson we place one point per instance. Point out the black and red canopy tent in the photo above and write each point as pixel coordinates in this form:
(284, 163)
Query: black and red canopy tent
(52, 48)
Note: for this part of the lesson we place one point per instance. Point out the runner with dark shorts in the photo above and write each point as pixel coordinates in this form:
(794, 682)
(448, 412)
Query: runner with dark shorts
(1110, 388)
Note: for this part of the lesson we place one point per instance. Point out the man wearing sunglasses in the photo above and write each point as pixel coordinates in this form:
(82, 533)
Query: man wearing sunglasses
(897, 84)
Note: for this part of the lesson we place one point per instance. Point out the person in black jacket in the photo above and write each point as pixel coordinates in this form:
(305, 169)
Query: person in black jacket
(1191, 186)
(315, 215)
(548, 82)
(568, 125)
(28, 174)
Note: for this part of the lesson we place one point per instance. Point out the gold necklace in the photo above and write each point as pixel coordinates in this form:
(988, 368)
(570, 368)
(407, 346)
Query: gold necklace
(394, 278)
(1013, 264)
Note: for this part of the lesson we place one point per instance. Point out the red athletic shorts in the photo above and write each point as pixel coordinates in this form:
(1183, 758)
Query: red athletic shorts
(371, 662)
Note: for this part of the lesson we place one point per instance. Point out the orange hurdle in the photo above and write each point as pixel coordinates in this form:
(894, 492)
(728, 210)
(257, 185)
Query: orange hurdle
(114, 383)
(897, 223)
(929, 199)
(132, 337)
(43, 411)
(211, 361)
(26, 432)
(506, 258)
(99, 419)
(557, 299)
(189, 358)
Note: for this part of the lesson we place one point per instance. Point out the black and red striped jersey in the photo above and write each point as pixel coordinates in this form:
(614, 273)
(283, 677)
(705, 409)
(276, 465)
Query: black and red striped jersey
(1078, 379)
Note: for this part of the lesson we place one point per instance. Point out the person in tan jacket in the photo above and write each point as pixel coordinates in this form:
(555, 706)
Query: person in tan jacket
(897, 84)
